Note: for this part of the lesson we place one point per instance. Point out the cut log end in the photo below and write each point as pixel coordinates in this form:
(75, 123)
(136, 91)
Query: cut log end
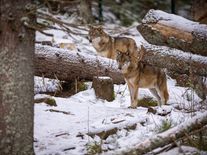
(104, 88)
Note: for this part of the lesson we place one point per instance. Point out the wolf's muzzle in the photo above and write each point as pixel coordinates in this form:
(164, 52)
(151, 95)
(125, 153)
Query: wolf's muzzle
(119, 67)
(89, 39)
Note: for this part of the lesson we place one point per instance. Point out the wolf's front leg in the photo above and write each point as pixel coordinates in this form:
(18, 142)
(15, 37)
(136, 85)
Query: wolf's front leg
(134, 100)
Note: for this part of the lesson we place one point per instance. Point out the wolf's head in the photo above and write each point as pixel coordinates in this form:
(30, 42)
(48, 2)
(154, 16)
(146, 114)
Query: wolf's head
(123, 60)
(96, 32)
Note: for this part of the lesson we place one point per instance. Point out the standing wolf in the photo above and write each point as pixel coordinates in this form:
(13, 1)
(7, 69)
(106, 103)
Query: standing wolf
(140, 75)
(108, 46)
(128, 55)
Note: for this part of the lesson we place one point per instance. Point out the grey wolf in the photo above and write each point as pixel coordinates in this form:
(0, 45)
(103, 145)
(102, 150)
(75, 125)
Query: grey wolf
(107, 46)
(139, 75)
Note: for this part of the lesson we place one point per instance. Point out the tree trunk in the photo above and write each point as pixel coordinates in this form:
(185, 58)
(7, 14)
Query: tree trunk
(199, 11)
(86, 11)
(16, 80)
(100, 11)
(173, 6)
(168, 136)
(161, 28)
(58, 63)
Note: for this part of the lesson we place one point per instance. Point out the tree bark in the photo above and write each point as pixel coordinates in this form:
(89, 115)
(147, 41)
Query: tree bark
(161, 28)
(58, 63)
(16, 79)
(168, 136)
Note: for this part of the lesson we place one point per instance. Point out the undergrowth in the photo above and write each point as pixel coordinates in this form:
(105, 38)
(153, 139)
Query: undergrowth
(94, 148)
(147, 102)
(165, 125)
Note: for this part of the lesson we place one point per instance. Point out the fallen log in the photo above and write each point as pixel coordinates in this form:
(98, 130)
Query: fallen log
(168, 136)
(161, 28)
(175, 60)
(64, 65)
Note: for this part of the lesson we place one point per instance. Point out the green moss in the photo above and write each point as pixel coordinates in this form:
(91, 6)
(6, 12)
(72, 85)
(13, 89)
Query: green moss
(147, 102)
(114, 96)
(82, 86)
(51, 102)
(94, 148)
(166, 124)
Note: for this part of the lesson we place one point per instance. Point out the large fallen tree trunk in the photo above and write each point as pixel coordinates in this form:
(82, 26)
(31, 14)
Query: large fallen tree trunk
(64, 65)
(175, 60)
(61, 64)
(170, 136)
(161, 28)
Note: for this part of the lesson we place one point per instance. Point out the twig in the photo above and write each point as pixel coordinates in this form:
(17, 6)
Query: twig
(34, 27)
(59, 111)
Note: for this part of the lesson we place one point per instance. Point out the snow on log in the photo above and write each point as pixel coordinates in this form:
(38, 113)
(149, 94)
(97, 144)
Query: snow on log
(168, 136)
(65, 65)
(161, 28)
(104, 132)
(175, 60)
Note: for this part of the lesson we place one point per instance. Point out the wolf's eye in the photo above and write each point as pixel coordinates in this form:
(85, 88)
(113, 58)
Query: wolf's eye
(118, 57)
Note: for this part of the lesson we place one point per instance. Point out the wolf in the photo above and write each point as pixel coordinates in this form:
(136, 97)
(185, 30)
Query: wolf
(139, 75)
(107, 46)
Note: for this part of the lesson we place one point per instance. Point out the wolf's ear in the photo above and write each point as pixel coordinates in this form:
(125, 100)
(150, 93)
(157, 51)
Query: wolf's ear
(142, 48)
(100, 28)
(118, 52)
(90, 26)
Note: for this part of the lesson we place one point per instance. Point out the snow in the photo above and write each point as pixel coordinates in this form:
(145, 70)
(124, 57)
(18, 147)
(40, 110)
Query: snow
(170, 19)
(45, 85)
(66, 133)
(187, 150)
(55, 132)
(104, 77)
(178, 53)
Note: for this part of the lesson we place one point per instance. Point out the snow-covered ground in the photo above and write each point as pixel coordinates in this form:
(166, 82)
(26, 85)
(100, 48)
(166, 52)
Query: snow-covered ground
(63, 130)
(59, 133)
